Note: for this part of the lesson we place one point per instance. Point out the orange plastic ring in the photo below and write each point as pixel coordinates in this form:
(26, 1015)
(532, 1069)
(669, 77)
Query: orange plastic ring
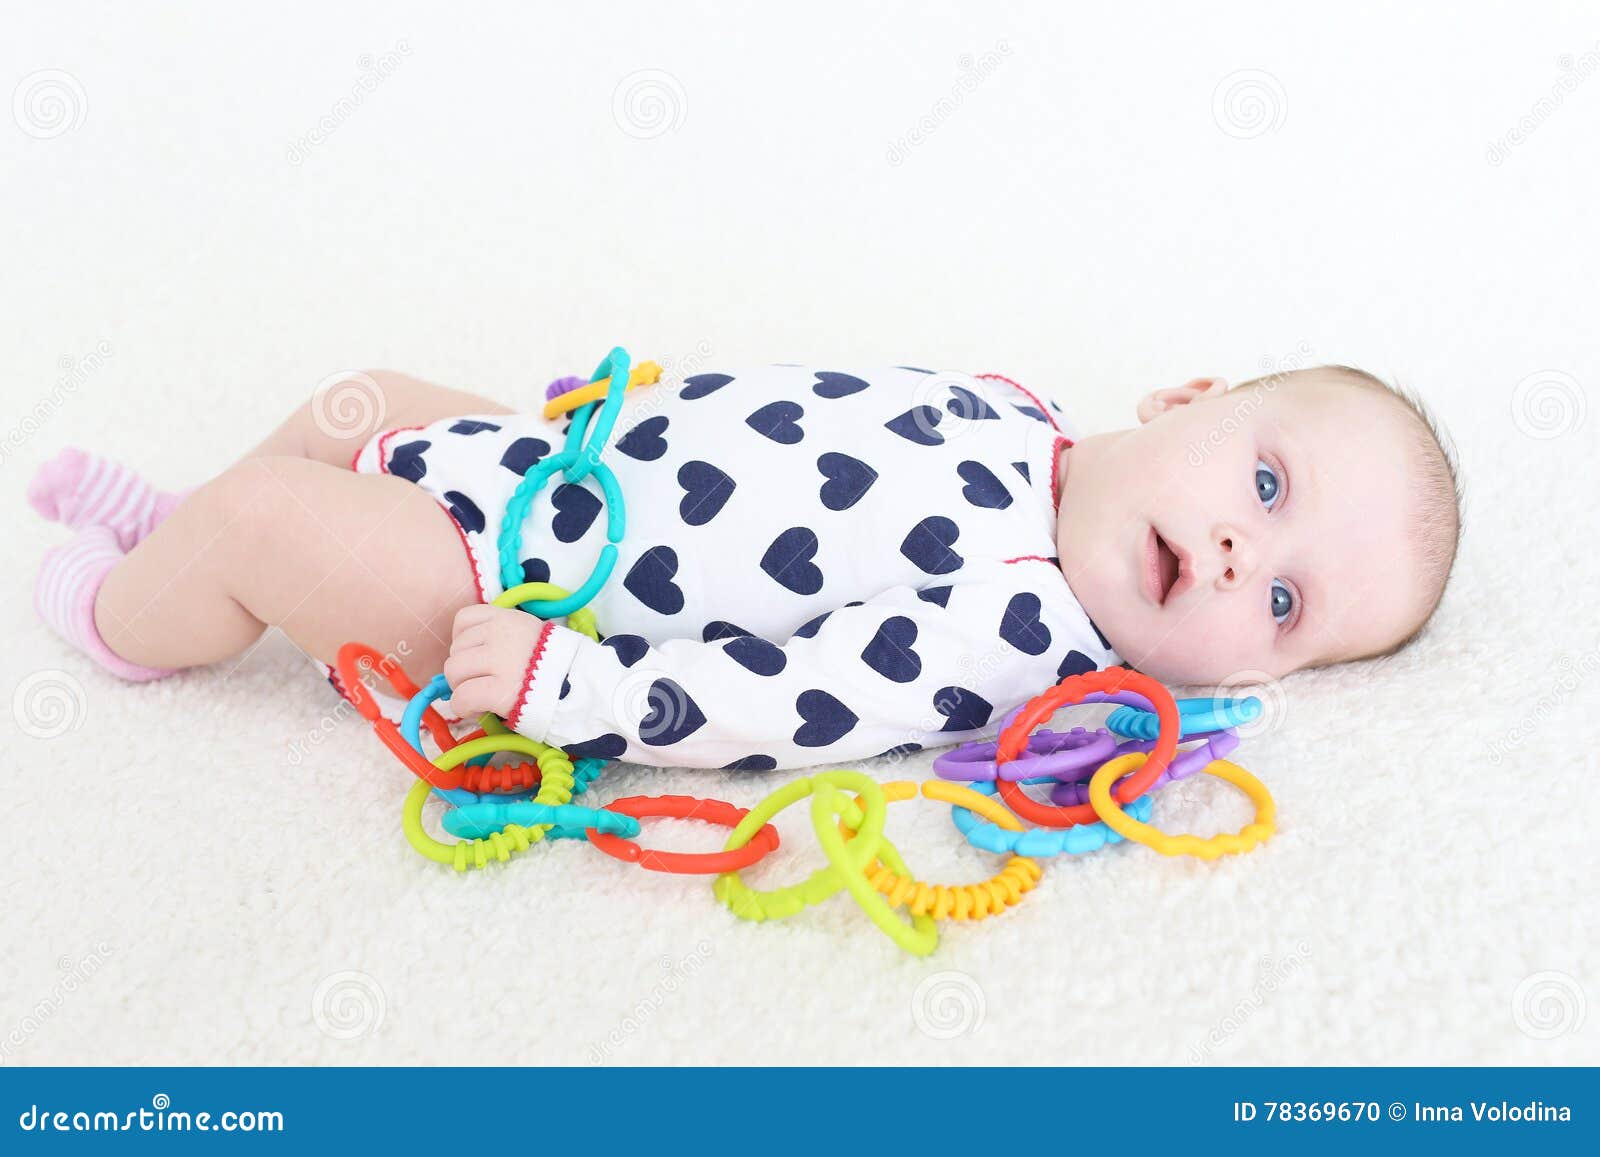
(1072, 690)
(684, 807)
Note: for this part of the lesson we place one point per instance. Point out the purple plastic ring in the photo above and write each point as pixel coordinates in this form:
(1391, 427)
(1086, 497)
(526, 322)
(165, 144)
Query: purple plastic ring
(1216, 745)
(563, 385)
(1055, 753)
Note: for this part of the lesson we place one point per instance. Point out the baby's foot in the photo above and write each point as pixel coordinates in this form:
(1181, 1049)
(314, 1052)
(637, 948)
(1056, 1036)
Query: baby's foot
(69, 580)
(82, 489)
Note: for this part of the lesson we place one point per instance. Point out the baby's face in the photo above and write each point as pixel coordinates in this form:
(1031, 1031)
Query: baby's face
(1244, 534)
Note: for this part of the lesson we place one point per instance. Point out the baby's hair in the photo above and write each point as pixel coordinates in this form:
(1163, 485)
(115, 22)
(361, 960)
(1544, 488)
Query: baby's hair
(1440, 494)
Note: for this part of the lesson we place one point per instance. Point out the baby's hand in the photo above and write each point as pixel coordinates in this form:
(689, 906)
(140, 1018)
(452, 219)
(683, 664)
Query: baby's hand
(489, 652)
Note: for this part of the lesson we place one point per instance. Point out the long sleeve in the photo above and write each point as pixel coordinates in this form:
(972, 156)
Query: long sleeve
(913, 667)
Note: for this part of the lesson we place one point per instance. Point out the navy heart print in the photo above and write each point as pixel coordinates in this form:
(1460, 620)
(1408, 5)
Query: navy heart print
(472, 426)
(673, 715)
(758, 656)
(629, 648)
(963, 709)
(706, 492)
(1021, 626)
(702, 384)
(576, 510)
(779, 421)
(650, 580)
(406, 461)
(832, 385)
(788, 561)
(607, 746)
(920, 424)
(982, 488)
(644, 441)
(751, 763)
(826, 719)
(535, 570)
(890, 654)
(848, 479)
(929, 544)
(522, 454)
(939, 596)
(1076, 663)
(717, 630)
(965, 404)
(1022, 469)
(465, 511)
(810, 627)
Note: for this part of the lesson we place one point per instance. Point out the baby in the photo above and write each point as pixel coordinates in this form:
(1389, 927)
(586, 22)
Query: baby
(820, 565)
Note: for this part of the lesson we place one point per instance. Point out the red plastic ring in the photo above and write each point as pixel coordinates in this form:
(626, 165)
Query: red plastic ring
(1072, 690)
(684, 807)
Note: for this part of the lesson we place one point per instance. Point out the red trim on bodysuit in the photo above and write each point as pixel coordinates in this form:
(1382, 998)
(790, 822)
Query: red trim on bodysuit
(527, 677)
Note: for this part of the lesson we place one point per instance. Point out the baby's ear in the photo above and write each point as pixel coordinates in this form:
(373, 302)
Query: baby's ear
(1154, 404)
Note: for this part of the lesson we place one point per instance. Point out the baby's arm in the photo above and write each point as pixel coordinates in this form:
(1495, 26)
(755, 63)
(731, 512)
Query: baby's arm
(910, 668)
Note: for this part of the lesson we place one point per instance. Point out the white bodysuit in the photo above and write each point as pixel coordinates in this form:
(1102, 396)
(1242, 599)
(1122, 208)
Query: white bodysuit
(818, 566)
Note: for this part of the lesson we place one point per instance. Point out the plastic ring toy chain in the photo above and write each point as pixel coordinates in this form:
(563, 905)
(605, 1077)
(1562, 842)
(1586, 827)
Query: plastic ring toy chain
(580, 619)
(1197, 717)
(1050, 753)
(1186, 763)
(478, 820)
(1206, 848)
(556, 789)
(581, 392)
(1078, 840)
(510, 541)
(960, 901)
(1071, 690)
(684, 807)
(353, 658)
(588, 437)
(749, 904)
(828, 803)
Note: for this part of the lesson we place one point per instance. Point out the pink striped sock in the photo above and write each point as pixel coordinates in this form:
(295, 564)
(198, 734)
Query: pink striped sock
(69, 580)
(82, 489)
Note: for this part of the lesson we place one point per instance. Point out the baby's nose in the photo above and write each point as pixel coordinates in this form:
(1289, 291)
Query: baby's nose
(1237, 557)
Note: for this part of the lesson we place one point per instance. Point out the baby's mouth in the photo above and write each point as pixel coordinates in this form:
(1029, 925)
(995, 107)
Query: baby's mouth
(1165, 570)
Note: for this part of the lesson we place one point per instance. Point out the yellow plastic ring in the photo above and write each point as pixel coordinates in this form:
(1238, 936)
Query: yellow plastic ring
(953, 901)
(643, 374)
(750, 904)
(1208, 848)
(921, 936)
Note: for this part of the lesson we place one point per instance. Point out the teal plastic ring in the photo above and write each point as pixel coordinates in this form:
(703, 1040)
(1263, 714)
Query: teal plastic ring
(1195, 717)
(1041, 842)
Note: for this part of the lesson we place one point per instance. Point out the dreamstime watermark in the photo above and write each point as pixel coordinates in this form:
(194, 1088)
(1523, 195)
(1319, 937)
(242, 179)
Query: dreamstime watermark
(75, 973)
(1574, 71)
(1570, 674)
(675, 973)
(649, 103)
(48, 704)
(349, 1005)
(374, 71)
(333, 720)
(971, 72)
(74, 373)
(948, 1005)
(1249, 103)
(1272, 974)
(1549, 1004)
(1258, 685)
(349, 404)
(1249, 397)
(49, 103)
(1548, 404)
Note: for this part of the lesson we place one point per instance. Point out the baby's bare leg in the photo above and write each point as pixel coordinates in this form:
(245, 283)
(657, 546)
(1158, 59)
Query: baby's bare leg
(333, 425)
(325, 554)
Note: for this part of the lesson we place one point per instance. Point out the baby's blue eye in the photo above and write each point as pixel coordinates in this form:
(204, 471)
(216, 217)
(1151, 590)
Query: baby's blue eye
(1266, 484)
(1282, 602)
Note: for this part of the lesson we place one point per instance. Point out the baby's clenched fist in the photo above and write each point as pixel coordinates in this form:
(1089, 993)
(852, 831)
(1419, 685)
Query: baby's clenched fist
(489, 651)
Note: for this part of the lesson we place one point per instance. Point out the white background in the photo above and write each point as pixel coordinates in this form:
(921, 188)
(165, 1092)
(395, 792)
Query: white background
(1123, 200)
